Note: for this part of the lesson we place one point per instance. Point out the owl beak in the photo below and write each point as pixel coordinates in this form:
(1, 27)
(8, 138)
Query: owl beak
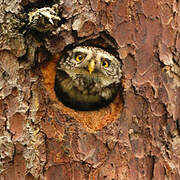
(91, 66)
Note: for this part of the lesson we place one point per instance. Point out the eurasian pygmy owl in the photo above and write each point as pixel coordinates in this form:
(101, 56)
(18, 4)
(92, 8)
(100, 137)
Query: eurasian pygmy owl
(87, 78)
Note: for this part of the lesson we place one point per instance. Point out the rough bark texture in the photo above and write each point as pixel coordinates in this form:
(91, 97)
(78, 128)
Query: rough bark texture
(41, 139)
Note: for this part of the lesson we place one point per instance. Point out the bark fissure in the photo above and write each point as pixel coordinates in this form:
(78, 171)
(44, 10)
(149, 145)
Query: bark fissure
(136, 137)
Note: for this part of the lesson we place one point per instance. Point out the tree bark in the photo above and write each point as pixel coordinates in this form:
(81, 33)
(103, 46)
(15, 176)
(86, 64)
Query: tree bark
(136, 137)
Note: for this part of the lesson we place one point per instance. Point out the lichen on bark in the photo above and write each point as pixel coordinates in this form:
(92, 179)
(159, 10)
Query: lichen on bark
(40, 139)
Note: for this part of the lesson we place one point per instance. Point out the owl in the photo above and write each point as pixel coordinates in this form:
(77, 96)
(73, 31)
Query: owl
(87, 78)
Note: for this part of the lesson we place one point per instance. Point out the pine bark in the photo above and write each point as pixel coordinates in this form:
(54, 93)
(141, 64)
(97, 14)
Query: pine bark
(42, 139)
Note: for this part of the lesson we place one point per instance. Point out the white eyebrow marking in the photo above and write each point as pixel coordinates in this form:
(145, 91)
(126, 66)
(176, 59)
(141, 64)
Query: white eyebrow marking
(91, 51)
(81, 49)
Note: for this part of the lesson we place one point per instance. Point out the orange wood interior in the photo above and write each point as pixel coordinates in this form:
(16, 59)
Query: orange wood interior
(91, 120)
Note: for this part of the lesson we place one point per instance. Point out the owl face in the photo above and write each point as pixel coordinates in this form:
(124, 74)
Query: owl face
(87, 78)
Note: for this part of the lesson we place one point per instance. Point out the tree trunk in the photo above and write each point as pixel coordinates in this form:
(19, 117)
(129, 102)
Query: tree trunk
(136, 137)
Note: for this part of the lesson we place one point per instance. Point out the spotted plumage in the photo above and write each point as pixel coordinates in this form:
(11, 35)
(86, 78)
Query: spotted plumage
(87, 78)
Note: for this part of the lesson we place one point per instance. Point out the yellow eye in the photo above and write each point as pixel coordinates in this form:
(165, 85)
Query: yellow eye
(79, 57)
(105, 63)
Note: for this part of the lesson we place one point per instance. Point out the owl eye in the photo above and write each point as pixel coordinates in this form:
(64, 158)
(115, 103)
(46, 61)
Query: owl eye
(79, 57)
(105, 62)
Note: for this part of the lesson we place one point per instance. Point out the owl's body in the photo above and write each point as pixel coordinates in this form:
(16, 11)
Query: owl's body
(87, 78)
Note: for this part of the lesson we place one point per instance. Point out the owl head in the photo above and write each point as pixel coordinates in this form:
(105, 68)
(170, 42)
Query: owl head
(87, 78)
